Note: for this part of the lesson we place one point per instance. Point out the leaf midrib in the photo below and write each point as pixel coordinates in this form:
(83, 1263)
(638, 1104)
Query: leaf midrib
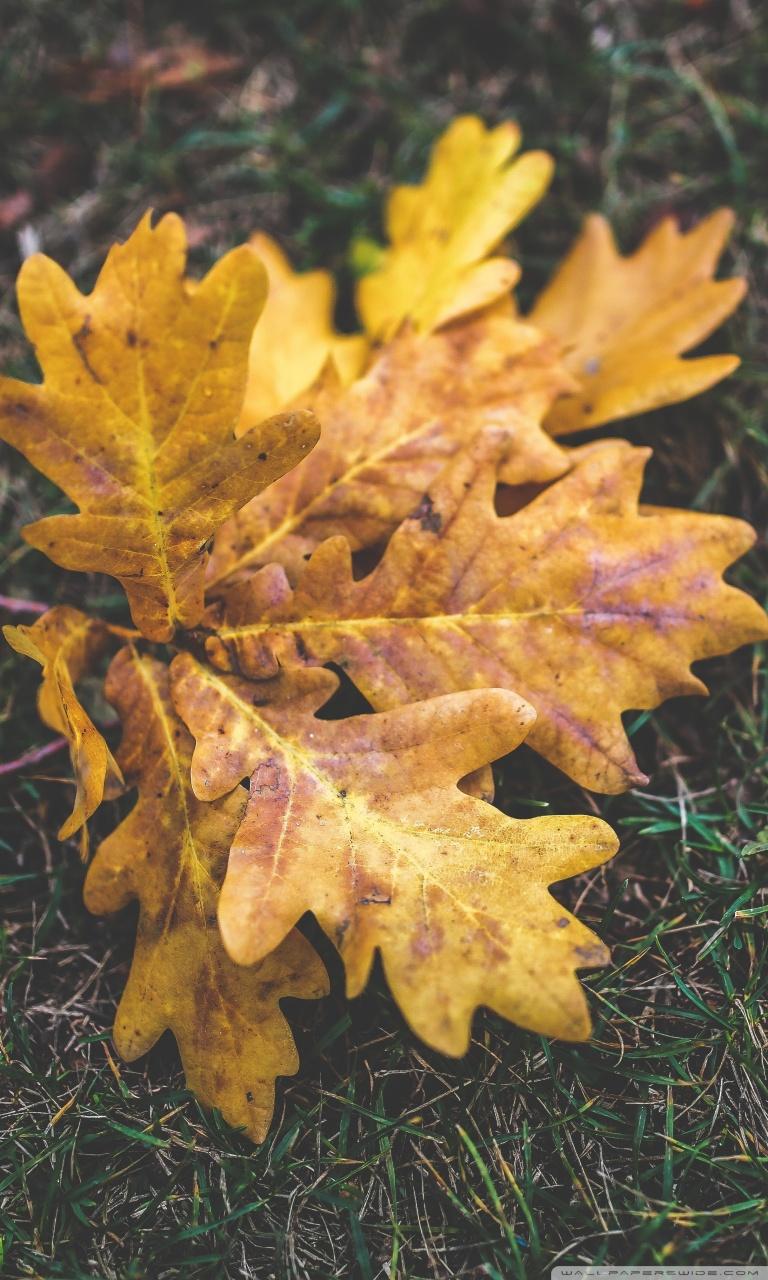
(289, 748)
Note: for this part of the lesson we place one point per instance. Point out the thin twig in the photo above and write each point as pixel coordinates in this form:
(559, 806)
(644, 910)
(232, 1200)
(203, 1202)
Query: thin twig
(15, 604)
(33, 757)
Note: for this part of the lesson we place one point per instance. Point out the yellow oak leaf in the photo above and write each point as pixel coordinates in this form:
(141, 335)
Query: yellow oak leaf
(171, 853)
(144, 379)
(293, 338)
(360, 821)
(68, 645)
(441, 231)
(385, 437)
(584, 603)
(624, 322)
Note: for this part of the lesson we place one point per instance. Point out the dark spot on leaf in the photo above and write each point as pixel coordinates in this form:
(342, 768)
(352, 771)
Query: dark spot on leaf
(430, 520)
(591, 955)
(263, 456)
(131, 338)
(248, 1096)
(562, 923)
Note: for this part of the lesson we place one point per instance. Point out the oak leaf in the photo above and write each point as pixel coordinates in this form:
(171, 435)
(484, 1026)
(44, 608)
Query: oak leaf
(385, 437)
(144, 380)
(68, 645)
(294, 337)
(171, 853)
(472, 616)
(451, 892)
(134, 71)
(442, 230)
(584, 603)
(625, 321)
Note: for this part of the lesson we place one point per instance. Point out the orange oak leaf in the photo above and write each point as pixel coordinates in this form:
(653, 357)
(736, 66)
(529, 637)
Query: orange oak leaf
(68, 645)
(584, 603)
(182, 65)
(293, 338)
(386, 437)
(441, 231)
(144, 379)
(360, 821)
(171, 853)
(624, 322)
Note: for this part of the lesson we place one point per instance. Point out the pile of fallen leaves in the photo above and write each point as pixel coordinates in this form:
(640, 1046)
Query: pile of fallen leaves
(281, 504)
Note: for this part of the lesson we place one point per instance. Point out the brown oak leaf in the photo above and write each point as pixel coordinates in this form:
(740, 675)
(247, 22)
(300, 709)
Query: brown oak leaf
(360, 821)
(171, 853)
(583, 602)
(385, 437)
